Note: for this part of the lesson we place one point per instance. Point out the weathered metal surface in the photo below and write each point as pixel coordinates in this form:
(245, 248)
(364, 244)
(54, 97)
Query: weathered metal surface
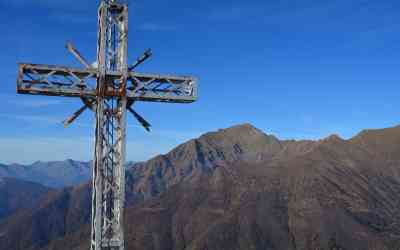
(74, 116)
(141, 120)
(109, 90)
(162, 88)
(54, 80)
(146, 55)
(109, 179)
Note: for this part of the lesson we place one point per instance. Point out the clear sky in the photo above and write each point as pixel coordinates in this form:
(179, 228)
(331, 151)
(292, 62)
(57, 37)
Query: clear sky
(293, 68)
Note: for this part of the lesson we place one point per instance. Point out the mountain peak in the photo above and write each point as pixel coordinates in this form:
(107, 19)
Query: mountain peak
(333, 138)
(245, 128)
(245, 132)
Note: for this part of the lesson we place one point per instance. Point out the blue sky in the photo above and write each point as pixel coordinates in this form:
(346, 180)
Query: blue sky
(295, 69)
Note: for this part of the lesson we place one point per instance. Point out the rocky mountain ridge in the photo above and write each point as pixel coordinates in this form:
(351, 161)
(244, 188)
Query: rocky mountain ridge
(239, 188)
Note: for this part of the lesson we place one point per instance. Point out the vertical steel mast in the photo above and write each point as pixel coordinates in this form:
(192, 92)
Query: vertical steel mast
(109, 88)
(108, 170)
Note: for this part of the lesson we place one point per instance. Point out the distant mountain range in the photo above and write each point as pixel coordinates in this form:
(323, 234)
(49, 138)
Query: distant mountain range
(51, 174)
(54, 174)
(241, 189)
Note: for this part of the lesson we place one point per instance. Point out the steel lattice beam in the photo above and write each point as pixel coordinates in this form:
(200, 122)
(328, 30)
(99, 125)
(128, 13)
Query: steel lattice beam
(110, 89)
(54, 80)
(109, 171)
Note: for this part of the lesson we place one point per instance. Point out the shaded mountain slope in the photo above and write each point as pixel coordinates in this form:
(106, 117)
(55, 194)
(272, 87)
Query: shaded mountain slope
(241, 189)
(339, 193)
(58, 214)
(217, 209)
(16, 194)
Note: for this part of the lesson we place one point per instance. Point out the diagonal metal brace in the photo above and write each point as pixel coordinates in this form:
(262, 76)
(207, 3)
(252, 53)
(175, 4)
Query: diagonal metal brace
(77, 55)
(72, 118)
(140, 119)
(146, 55)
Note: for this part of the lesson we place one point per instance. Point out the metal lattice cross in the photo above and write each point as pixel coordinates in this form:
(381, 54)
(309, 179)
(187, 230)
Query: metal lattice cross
(108, 87)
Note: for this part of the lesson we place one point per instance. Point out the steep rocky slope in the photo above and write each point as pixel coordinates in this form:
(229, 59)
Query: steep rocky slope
(242, 143)
(239, 188)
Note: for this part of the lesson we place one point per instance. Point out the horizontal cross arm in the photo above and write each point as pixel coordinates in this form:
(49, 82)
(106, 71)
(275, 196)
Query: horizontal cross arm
(162, 88)
(52, 80)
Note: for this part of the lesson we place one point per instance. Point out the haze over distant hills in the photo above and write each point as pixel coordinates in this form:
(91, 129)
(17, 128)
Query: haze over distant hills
(239, 188)
(52, 174)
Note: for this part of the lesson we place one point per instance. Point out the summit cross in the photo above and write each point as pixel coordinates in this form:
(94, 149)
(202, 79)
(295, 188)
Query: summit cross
(109, 87)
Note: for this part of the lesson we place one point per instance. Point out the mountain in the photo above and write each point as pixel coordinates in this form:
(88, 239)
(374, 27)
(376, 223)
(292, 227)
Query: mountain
(189, 161)
(239, 188)
(16, 195)
(55, 174)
